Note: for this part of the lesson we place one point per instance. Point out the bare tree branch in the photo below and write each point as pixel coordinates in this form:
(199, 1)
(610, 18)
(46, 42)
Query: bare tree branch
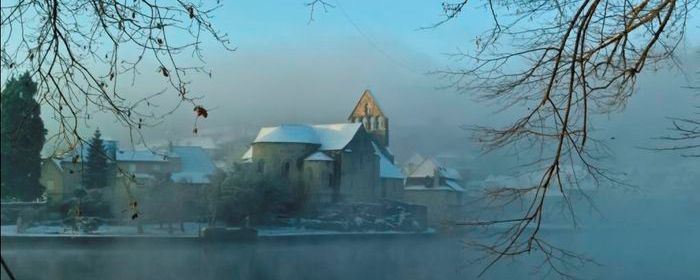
(80, 50)
(559, 62)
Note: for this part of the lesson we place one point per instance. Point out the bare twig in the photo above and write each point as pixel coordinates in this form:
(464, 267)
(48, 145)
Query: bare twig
(559, 62)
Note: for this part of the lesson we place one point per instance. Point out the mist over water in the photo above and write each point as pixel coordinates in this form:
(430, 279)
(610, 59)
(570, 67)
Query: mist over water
(635, 235)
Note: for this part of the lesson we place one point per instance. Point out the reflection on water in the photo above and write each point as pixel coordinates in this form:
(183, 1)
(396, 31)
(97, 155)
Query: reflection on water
(414, 258)
(647, 239)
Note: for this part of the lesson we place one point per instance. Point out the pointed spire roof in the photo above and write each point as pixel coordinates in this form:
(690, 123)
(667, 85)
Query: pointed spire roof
(366, 106)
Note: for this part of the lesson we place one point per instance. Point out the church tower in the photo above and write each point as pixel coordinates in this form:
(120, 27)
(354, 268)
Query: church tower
(375, 122)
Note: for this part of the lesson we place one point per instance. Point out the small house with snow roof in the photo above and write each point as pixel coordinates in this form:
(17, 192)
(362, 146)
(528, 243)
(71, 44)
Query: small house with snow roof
(187, 165)
(434, 186)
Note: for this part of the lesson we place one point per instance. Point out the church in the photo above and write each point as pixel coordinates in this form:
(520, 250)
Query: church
(348, 161)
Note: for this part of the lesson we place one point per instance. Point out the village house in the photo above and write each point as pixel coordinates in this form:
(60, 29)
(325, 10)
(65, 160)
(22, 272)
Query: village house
(187, 165)
(62, 176)
(436, 187)
(335, 162)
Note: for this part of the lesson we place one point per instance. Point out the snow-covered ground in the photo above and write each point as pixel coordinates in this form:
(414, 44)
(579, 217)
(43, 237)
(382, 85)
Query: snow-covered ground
(191, 229)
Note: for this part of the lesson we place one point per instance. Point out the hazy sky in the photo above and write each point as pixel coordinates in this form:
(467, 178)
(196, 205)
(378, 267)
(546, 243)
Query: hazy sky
(287, 69)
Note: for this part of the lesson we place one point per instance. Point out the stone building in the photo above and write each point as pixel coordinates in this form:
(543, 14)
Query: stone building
(436, 187)
(62, 176)
(335, 162)
(188, 165)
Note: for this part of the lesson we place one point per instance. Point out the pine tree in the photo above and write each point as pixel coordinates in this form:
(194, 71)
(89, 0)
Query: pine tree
(96, 174)
(22, 136)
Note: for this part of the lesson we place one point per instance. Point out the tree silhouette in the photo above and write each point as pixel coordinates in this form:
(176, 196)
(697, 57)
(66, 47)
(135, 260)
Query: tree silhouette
(23, 135)
(97, 172)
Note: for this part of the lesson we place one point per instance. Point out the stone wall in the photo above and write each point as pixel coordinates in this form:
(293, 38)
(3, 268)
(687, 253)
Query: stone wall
(281, 161)
(359, 170)
(391, 188)
(52, 179)
(317, 179)
(440, 204)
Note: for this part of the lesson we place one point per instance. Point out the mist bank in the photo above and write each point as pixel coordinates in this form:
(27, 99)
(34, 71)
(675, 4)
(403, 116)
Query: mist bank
(649, 238)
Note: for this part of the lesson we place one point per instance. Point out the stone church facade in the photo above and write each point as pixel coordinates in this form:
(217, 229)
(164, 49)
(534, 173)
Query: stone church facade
(334, 162)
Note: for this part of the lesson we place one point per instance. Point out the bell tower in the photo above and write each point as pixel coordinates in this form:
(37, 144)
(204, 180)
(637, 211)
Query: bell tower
(370, 114)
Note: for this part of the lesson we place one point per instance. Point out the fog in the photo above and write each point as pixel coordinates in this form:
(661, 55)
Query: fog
(647, 230)
(639, 237)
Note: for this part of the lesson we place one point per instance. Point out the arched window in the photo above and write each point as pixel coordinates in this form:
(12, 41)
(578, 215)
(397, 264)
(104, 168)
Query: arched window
(380, 123)
(366, 109)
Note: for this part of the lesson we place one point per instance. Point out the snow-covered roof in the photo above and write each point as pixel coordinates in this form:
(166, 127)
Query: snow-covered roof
(318, 156)
(454, 185)
(451, 173)
(336, 136)
(329, 136)
(142, 155)
(248, 155)
(415, 159)
(387, 169)
(428, 168)
(196, 165)
(288, 133)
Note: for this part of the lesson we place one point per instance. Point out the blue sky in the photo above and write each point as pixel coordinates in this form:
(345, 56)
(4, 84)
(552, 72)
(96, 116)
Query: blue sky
(381, 25)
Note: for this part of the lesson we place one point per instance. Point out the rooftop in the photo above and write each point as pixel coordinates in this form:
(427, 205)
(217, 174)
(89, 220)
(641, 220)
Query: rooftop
(329, 136)
(428, 168)
(142, 155)
(387, 169)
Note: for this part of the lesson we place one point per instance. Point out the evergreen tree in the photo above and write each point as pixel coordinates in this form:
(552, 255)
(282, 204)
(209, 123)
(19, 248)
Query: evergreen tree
(22, 136)
(96, 173)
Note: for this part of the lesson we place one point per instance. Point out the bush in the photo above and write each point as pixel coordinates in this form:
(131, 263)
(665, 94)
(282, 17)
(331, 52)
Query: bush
(259, 199)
